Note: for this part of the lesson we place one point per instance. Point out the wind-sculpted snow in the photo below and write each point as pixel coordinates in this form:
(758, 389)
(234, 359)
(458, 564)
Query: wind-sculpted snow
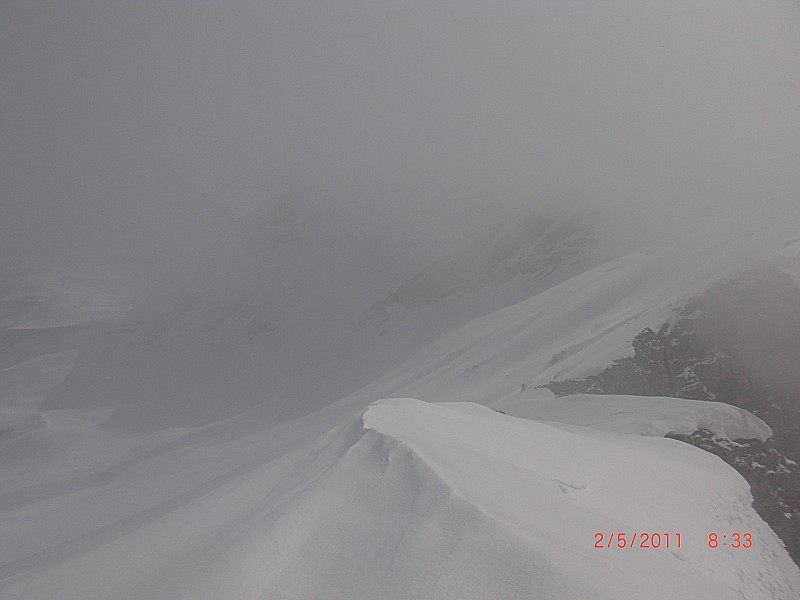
(450, 501)
(643, 415)
(404, 499)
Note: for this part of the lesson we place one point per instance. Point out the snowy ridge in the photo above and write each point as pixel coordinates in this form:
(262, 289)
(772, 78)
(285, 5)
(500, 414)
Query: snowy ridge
(403, 498)
(491, 490)
(407, 499)
(580, 326)
(416, 500)
(642, 415)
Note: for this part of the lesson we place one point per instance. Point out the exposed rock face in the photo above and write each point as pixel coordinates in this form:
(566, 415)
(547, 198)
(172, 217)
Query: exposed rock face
(740, 344)
(773, 480)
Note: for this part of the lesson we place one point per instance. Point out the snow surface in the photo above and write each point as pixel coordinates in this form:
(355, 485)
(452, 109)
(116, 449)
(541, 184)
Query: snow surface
(642, 415)
(580, 326)
(404, 499)
(63, 296)
(408, 499)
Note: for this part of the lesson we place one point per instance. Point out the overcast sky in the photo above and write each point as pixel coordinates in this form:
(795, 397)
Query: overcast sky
(129, 130)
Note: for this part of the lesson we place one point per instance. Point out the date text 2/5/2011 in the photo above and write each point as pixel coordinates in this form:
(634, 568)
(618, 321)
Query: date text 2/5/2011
(637, 539)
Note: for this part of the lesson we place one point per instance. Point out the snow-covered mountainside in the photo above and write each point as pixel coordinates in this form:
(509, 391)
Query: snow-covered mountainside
(541, 247)
(413, 500)
(63, 296)
(262, 317)
(407, 498)
(581, 326)
(505, 265)
(266, 316)
(46, 315)
(635, 326)
(736, 342)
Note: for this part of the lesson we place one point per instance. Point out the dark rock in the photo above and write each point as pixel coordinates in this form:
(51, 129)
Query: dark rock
(739, 343)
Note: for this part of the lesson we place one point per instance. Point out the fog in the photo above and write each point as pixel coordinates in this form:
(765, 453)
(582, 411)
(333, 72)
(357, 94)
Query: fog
(132, 131)
(227, 227)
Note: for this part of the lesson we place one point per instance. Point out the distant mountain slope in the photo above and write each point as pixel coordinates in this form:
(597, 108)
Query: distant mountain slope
(46, 316)
(265, 316)
(582, 325)
(446, 501)
(62, 296)
(261, 317)
(507, 264)
(541, 248)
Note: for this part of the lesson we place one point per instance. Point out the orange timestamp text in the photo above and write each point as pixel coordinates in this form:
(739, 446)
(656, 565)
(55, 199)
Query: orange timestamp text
(637, 539)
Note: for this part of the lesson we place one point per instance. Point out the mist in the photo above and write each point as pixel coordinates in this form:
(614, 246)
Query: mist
(289, 289)
(132, 131)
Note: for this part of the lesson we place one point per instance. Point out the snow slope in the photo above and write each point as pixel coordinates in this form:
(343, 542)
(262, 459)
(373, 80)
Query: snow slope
(642, 415)
(46, 315)
(406, 498)
(414, 500)
(580, 326)
(499, 268)
(62, 296)
(263, 315)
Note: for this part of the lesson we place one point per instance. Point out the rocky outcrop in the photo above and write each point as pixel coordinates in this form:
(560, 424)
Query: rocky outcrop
(773, 479)
(739, 343)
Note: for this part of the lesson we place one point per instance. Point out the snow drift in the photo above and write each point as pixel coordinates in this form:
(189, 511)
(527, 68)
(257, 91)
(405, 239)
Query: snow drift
(403, 499)
(642, 415)
(415, 500)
